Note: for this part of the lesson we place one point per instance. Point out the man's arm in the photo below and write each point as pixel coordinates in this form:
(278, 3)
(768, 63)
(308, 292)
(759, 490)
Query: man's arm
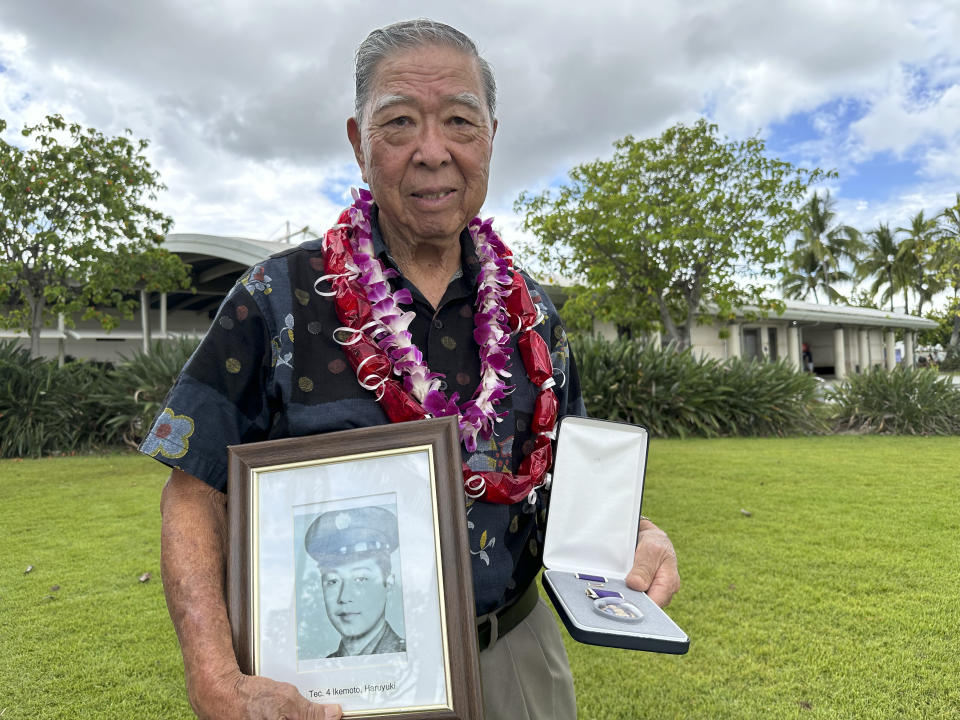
(654, 565)
(193, 562)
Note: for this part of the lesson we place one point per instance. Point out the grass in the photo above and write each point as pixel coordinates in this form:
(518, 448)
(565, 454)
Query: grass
(100, 646)
(836, 598)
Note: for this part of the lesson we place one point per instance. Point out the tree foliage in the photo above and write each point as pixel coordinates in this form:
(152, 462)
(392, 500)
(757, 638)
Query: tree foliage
(667, 226)
(77, 231)
(948, 267)
(947, 319)
(821, 250)
(881, 264)
(916, 255)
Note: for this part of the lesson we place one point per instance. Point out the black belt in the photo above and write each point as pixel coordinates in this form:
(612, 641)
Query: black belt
(508, 617)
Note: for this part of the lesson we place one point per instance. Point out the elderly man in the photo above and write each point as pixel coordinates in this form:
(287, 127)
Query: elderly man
(410, 256)
(352, 548)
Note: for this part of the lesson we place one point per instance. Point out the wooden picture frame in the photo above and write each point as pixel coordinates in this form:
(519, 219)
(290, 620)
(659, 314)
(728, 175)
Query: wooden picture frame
(309, 519)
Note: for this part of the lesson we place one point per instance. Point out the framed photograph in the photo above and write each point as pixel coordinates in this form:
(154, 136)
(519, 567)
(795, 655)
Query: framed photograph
(349, 572)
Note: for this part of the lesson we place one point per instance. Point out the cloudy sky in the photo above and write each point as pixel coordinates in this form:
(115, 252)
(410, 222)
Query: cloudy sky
(245, 101)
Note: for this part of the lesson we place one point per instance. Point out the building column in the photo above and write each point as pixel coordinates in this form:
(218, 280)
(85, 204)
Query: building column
(863, 349)
(839, 354)
(889, 342)
(145, 320)
(733, 340)
(908, 348)
(163, 315)
(793, 346)
(61, 340)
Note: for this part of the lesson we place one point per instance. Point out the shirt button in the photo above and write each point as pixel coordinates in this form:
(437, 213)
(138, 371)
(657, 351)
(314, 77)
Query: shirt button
(437, 323)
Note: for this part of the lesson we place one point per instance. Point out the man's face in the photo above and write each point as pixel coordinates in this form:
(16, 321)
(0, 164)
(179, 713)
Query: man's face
(426, 143)
(355, 595)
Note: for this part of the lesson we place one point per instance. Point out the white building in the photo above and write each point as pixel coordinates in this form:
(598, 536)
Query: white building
(217, 263)
(841, 339)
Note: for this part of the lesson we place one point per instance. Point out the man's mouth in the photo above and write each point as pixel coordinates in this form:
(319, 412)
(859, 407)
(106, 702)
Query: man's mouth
(433, 194)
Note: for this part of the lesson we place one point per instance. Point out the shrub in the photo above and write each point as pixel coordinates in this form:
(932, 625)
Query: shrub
(951, 362)
(12, 352)
(904, 401)
(677, 393)
(135, 389)
(45, 409)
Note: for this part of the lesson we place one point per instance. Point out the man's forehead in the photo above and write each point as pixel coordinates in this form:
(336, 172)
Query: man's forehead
(389, 100)
(352, 566)
(427, 69)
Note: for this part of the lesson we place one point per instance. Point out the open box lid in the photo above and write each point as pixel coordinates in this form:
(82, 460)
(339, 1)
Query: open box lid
(595, 497)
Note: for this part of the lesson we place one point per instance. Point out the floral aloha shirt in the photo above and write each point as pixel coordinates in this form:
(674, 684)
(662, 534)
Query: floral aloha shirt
(268, 368)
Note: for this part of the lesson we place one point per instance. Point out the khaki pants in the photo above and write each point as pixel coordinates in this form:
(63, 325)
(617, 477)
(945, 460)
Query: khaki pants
(526, 674)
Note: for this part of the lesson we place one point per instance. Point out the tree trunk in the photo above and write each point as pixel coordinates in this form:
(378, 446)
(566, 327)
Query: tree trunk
(36, 305)
(668, 324)
(955, 332)
(686, 339)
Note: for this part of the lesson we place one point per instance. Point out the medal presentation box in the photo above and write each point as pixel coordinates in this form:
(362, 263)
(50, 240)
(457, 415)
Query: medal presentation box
(591, 536)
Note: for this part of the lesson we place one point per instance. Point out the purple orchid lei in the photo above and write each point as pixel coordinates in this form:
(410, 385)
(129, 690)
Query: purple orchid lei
(478, 415)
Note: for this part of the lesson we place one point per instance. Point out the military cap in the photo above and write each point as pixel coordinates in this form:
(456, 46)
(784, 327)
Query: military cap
(340, 535)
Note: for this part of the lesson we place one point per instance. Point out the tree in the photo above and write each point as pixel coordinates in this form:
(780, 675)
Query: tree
(879, 263)
(820, 250)
(915, 253)
(940, 335)
(948, 267)
(76, 230)
(804, 273)
(801, 275)
(668, 225)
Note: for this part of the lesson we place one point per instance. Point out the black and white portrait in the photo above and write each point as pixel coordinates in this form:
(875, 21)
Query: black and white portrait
(349, 594)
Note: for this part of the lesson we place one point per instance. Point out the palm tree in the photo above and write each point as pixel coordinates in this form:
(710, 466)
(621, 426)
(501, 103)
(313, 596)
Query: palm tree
(916, 251)
(948, 261)
(948, 248)
(822, 247)
(880, 263)
(804, 274)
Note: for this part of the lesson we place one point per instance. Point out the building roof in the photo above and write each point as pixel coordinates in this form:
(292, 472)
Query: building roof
(243, 251)
(807, 313)
(217, 262)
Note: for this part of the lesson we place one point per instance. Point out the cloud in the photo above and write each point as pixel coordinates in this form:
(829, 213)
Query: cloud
(245, 102)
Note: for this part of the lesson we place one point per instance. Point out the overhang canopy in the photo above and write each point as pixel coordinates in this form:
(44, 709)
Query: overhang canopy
(217, 263)
(805, 312)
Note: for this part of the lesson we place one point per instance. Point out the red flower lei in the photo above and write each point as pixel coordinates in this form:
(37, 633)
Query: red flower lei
(379, 348)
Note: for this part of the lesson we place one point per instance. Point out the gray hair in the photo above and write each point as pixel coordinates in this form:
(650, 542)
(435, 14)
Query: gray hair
(408, 34)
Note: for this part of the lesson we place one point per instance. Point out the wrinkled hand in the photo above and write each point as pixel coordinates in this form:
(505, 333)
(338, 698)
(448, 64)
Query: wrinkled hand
(259, 698)
(654, 565)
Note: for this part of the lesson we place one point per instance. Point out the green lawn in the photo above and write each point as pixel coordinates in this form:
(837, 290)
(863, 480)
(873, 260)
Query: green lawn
(838, 597)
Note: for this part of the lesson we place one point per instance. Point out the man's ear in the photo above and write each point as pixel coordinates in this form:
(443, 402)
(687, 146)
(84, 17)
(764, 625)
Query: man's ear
(353, 134)
(390, 581)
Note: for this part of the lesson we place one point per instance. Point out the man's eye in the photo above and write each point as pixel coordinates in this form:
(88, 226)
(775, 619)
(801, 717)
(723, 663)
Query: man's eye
(459, 121)
(402, 121)
(331, 582)
(360, 579)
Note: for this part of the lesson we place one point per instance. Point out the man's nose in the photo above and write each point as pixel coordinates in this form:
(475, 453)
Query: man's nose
(347, 593)
(432, 148)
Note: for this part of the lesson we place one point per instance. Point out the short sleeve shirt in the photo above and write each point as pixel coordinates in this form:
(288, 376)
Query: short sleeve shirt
(269, 368)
